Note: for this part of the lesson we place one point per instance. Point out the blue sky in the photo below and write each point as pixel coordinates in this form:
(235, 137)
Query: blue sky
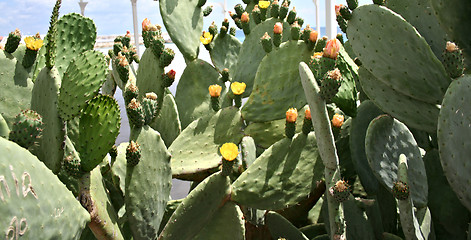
(115, 16)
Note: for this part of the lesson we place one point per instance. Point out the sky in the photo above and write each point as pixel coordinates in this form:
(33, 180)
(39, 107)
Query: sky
(115, 16)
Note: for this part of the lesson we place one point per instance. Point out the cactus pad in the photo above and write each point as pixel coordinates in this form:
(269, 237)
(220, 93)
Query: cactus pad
(386, 139)
(99, 127)
(277, 85)
(75, 34)
(396, 54)
(414, 113)
(282, 176)
(225, 52)
(81, 82)
(29, 205)
(453, 134)
(44, 101)
(197, 209)
(192, 95)
(195, 152)
(183, 20)
(148, 185)
(252, 53)
(16, 87)
(167, 122)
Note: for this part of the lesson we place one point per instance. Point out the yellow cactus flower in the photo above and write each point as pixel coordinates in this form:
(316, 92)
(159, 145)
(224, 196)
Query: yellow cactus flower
(337, 120)
(229, 151)
(291, 115)
(238, 88)
(33, 43)
(263, 4)
(206, 38)
(215, 90)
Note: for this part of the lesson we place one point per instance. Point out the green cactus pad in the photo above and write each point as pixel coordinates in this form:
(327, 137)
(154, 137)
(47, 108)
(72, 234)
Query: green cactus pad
(367, 111)
(387, 138)
(225, 52)
(4, 129)
(16, 86)
(346, 97)
(75, 34)
(453, 134)
(282, 176)
(197, 209)
(248, 151)
(172, 205)
(44, 101)
(277, 85)
(252, 53)
(228, 221)
(119, 167)
(192, 95)
(280, 228)
(414, 113)
(148, 185)
(168, 122)
(184, 22)
(29, 208)
(195, 152)
(396, 54)
(454, 18)
(109, 87)
(450, 217)
(149, 74)
(99, 127)
(94, 197)
(266, 134)
(420, 14)
(81, 82)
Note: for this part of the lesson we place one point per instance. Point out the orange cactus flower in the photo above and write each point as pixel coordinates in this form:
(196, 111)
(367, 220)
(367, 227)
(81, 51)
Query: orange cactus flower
(291, 115)
(215, 90)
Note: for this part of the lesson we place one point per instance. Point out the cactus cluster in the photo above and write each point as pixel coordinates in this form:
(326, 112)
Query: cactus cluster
(286, 135)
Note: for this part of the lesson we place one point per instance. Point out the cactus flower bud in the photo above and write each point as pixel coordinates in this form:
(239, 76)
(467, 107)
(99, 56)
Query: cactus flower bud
(290, 125)
(313, 36)
(151, 95)
(266, 42)
(206, 38)
(215, 90)
(148, 26)
(337, 9)
(13, 41)
(278, 28)
(263, 4)
(169, 78)
(307, 123)
(245, 17)
(451, 47)
(332, 48)
(229, 151)
(337, 120)
(307, 114)
(291, 115)
(340, 191)
(238, 88)
(400, 190)
(133, 154)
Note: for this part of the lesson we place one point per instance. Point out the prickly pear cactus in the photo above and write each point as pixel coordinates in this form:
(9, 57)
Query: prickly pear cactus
(75, 34)
(453, 130)
(28, 204)
(44, 101)
(183, 20)
(145, 203)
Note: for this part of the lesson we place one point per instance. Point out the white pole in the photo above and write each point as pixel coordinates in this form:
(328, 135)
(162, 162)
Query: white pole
(330, 19)
(82, 5)
(136, 25)
(318, 17)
